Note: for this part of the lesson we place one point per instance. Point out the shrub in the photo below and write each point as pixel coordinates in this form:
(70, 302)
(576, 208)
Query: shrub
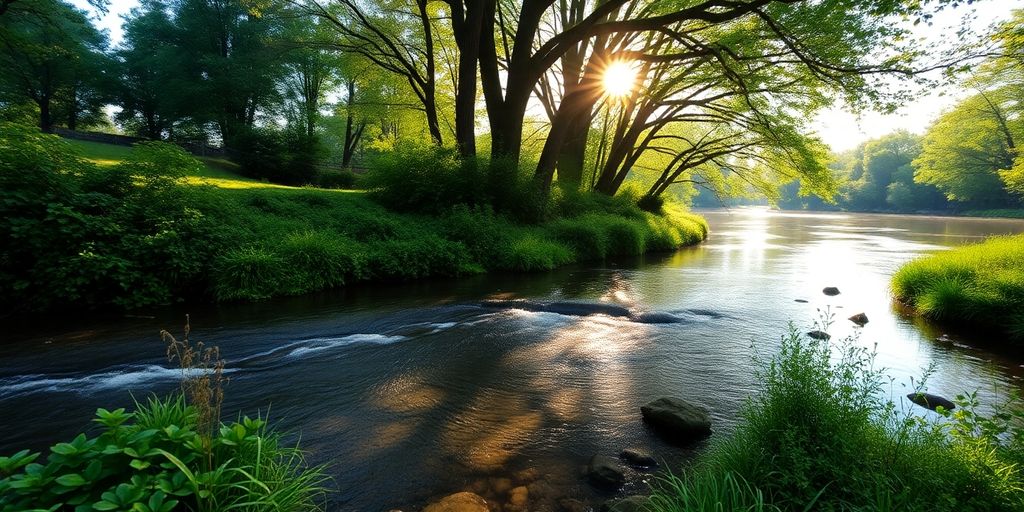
(250, 273)
(652, 204)
(532, 254)
(625, 237)
(321, 260)
(587, 239)
(286, 157)
(84, 235)
(486, 236)
(416, 178)
(336, 178)
(423, 256)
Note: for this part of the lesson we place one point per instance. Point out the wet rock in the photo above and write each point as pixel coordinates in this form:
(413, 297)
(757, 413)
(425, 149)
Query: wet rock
(571, 505)
(944, 339)
(819, 335)
(518, 498)
(605, 472)
(459, 502)
(540, 490)
(677, 419)
(802, 301)
(526, 476)
(657, 317)
(479, 486)
(499, 486)
(831, 291)
(638, 457)
(859, 319)
(930, 401)
(628, 504)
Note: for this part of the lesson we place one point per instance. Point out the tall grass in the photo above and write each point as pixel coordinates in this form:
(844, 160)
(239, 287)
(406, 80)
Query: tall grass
(980, 285)
(819, 435)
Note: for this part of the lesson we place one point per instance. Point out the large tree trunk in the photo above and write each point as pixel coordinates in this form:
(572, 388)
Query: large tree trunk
(467, 27)
(45, 117)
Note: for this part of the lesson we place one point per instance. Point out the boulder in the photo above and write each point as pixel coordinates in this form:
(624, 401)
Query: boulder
(526, 476)
(859, 319)
(605, 472)
(627, 504)
(677, 419)
(930, 401)
(831, 291)
(459, 502)
(819, 335)
(518, 498)
(637, 457)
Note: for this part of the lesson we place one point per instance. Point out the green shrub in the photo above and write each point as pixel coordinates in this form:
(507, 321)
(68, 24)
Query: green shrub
(416, 178)
(250, 273)
(80, 235)
(532, 254)
(625, 237)
(321, 260)
(587, 240)
(336, 178)
(414, 258)
(154, 460)
(286, 157)
(485, 235)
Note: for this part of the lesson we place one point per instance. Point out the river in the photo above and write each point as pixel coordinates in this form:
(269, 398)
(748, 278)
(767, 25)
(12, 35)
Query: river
(414, 391)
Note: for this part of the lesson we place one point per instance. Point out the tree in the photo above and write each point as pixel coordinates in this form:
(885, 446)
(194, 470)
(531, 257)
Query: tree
(151, 73)
(53, 57)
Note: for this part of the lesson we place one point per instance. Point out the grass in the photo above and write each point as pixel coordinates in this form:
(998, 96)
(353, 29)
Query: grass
(279, 240)
(979, 285)
(819, 435)
(1006, 213)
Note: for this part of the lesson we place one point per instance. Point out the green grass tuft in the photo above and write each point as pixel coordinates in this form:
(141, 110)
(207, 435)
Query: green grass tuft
(980, 285)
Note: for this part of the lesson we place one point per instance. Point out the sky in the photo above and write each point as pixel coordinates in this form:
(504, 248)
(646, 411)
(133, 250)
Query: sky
(838, 126)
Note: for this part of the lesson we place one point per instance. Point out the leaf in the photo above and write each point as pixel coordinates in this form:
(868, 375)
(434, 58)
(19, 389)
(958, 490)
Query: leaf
(72, 480)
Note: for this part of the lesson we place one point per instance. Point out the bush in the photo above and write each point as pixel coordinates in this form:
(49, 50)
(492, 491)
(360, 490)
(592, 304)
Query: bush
(250, 273)
(587, 239)
(320, 260)
(81, 235)
(414, 258)
(285, 157)
(532, 254)
(336, 178)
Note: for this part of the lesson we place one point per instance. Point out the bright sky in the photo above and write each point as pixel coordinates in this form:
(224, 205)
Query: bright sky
(838, 127)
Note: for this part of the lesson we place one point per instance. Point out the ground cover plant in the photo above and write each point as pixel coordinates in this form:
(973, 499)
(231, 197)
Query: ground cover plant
(820, 434)
(980, 285)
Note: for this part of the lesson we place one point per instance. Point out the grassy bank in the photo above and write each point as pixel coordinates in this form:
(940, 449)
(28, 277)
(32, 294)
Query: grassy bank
(97, 225)
(978, 285)
(820, 436)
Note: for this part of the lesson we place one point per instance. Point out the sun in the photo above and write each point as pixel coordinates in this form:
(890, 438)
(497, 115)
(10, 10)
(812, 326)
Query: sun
(619, 78)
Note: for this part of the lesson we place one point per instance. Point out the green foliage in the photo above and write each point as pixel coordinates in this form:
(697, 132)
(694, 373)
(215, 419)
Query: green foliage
(336, 178)
(980, 285)
(531, 254)
(287, 157)
(123, 235)
(153, 460)
(820, 436)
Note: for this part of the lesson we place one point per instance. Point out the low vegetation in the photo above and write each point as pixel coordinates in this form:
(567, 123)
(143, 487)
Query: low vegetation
(98, 226)
(820, 435)
(980, 285)
(169, 454)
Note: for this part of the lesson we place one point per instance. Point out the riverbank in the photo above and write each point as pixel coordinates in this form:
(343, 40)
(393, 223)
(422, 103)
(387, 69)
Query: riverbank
(979, 285)
(142, 227)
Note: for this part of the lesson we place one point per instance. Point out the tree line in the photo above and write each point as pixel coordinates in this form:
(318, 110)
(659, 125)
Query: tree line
(720, 100)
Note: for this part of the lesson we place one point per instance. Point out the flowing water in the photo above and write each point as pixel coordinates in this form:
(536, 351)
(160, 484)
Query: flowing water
(410, 392)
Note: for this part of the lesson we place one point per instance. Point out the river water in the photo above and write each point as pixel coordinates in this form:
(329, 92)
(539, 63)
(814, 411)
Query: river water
(413, 391)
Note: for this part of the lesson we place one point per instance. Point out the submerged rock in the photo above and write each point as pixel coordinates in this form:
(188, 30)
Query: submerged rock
(572, 505)
(518, 499)
(802, 301)
(677, 419)
(859, 319)
(831, 291)
(459, 502)
(605, 472)
(930, 401)
(638, 457)
(820, 335)
(628, 504)
(657, 317)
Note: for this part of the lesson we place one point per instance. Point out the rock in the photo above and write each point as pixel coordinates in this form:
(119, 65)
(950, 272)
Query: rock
(540, 489)
(605, 472)
(657, 317)
(499, 486)
(571, 505)
(518, 499)
(819, 335)
(479, 486)
(802, 301)
(930, 401)
(859, 319)
(831, 291)
(459, 502)
(944, 339)
(526, 476)
(677, 419)
(638, 457)
(628, 504)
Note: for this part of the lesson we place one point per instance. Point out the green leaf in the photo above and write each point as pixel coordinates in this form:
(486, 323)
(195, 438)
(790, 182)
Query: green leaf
(72, 480)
